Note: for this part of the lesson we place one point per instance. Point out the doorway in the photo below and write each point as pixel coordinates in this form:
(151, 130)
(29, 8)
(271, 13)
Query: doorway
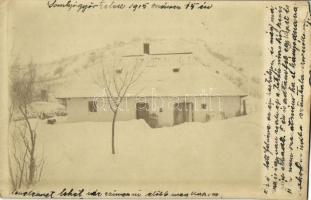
(142, 111)
(183, 112)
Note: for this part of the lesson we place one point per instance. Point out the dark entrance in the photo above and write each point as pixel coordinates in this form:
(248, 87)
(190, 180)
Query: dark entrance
(183, 112)
(142, 111)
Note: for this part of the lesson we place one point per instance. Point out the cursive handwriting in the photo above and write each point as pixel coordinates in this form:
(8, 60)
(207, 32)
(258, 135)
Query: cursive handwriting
(83, 6)
(283, 144)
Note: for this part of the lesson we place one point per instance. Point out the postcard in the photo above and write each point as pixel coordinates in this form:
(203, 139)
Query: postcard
(154, 99)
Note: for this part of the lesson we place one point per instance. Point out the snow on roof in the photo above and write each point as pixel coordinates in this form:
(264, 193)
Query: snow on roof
(166, 76)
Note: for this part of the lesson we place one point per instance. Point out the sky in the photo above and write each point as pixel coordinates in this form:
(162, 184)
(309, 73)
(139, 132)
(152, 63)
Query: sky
(42, 35)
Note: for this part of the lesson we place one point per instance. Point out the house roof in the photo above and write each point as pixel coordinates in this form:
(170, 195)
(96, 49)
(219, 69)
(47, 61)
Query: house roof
(159, 79)
(158, 54)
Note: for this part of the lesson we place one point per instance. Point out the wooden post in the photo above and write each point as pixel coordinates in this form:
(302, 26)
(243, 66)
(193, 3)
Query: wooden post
(244, 107)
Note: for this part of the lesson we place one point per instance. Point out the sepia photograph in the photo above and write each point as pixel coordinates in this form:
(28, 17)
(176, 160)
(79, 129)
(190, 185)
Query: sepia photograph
(140, 99)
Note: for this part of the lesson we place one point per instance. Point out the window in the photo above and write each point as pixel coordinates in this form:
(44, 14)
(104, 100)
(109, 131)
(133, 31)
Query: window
(203, 106)
(92, 106)
(176, 70)
(146, 48)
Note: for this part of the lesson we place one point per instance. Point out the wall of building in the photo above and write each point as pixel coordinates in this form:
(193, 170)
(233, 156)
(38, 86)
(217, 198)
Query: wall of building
(213, 108)
(78, 110)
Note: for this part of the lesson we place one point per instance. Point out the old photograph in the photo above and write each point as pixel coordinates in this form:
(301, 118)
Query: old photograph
(141, 99)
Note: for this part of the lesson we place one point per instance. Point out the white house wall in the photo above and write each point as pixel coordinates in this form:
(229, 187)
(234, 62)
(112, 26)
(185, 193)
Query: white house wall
(78, 110)
(230, 106)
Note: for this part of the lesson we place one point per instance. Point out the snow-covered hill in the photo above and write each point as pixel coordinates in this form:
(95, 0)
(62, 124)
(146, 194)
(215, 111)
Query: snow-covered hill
(56, 74)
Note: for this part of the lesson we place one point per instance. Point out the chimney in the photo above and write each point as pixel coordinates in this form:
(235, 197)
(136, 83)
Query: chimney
(146, 48)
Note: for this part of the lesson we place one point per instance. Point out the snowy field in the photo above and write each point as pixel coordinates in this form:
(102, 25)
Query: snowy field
(207, 154)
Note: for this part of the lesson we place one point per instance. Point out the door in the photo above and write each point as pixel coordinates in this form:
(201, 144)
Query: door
(183, 112)
(142, 111)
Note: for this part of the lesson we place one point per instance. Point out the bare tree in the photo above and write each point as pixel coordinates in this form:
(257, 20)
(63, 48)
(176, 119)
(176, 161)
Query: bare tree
(116, 81)
(26, 169)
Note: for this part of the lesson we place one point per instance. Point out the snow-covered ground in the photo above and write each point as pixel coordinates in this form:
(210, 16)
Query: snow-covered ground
(191, 154)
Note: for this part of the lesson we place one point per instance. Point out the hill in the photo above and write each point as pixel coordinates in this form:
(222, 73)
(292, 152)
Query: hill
(55, 75)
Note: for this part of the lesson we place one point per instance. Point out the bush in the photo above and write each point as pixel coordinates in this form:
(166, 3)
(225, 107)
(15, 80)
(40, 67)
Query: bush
(51, 121)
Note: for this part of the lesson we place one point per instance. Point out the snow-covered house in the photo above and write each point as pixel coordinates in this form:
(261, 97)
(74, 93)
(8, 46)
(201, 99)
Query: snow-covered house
(174, 88)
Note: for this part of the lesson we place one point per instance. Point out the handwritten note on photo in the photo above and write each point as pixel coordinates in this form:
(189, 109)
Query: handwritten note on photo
(154, 99)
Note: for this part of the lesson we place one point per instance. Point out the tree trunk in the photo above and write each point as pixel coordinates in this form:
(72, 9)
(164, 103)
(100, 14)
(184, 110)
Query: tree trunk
(12, 179)
(32, 169)
(32, 161)
(112, 132)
